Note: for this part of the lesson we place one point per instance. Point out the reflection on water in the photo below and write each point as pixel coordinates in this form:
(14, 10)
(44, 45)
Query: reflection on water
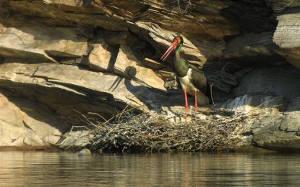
(57, 169)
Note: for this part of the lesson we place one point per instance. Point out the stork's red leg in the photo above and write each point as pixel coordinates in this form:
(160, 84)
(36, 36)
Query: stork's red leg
(186, 101)
(196, 102)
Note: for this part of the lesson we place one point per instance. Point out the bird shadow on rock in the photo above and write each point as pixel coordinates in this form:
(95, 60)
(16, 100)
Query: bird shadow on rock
(155, 99)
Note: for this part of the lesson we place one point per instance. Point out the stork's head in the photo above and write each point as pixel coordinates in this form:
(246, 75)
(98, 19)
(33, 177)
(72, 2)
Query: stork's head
(176, 43)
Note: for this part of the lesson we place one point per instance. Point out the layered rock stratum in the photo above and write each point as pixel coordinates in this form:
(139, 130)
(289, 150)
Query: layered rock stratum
(66, 62)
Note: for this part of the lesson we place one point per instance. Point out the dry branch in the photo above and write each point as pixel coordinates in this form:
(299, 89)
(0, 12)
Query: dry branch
(154, 133)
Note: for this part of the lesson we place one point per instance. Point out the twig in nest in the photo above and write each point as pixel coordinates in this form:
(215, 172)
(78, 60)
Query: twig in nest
(154, 133)
(89, 122)
(79, 127)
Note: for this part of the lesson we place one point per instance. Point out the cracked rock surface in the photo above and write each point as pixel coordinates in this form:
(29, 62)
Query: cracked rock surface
(75, 62)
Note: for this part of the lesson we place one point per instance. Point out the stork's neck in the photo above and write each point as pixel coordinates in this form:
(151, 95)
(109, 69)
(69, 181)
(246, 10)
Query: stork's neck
(179, 48)
(181, 66)
(177, 53)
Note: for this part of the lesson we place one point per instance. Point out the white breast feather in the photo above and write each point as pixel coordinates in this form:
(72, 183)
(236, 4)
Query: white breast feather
(186, 82)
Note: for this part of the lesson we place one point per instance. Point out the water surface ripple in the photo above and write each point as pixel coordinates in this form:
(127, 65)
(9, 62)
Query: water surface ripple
(67, 169)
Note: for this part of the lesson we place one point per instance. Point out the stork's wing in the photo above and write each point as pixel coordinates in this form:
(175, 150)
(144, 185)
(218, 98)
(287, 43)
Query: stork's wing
(199, 79)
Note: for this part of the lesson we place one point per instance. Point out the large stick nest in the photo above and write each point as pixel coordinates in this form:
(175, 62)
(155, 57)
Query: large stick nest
(155, 133)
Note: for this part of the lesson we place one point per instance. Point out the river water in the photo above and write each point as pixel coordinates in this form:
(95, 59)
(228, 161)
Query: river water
(68, 169)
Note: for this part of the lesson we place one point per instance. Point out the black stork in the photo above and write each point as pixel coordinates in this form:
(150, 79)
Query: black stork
(192, 80)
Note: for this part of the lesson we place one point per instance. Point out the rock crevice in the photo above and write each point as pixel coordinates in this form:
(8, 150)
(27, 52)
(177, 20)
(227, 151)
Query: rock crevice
(79, 61)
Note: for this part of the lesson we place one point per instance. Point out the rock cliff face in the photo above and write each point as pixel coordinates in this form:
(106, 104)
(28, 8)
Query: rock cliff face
(63, 63)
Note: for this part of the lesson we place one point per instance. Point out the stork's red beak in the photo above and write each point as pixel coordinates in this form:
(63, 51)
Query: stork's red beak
(172, 48)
